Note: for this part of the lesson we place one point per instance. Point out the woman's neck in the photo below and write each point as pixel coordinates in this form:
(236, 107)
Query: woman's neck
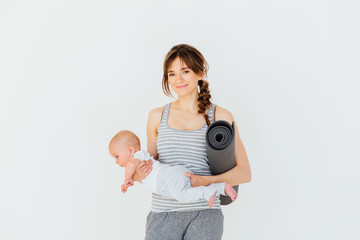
(188, 102)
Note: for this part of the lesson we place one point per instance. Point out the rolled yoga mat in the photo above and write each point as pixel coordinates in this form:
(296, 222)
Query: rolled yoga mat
(220, 149)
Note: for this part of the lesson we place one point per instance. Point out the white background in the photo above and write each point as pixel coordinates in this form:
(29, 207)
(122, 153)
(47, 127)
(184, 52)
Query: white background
(73, 73)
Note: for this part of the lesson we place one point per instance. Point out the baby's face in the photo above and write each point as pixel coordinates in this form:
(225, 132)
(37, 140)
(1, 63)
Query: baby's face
(121, 155)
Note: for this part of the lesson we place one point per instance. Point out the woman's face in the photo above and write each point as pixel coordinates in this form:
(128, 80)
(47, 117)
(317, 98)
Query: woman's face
(182, 79)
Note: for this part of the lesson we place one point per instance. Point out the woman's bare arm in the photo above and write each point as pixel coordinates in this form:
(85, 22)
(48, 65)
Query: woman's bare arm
(152, 126)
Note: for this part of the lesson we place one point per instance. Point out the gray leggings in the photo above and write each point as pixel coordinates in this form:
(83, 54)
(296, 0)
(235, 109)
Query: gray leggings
(190, 225)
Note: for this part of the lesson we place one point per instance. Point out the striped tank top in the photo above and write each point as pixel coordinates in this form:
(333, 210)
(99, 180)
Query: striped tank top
(182, 147)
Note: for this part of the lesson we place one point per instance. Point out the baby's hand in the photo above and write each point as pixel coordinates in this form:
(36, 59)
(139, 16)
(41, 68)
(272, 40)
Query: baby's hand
(130, 182)
(124, 188)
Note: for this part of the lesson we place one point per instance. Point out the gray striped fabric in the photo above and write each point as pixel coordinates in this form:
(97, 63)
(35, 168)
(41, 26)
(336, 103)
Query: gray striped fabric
(180, 147)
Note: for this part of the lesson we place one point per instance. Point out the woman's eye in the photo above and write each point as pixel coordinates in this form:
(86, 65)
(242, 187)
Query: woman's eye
(186, 71)
(170, 75)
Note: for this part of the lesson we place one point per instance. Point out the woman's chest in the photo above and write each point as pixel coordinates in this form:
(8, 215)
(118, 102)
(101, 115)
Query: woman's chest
(186, 122)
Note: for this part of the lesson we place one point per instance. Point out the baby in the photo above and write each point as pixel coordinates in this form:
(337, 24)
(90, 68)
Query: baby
(164, 179)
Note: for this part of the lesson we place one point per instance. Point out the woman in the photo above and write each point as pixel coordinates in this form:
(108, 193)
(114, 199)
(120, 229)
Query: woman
(176, 135)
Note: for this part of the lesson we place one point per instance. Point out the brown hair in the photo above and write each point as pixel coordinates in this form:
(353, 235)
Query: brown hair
(196, 62)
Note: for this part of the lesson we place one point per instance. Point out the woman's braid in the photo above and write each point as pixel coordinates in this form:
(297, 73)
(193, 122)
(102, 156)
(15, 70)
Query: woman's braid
(204, 99)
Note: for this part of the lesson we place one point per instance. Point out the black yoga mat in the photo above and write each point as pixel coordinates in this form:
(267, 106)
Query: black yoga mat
(220, 149)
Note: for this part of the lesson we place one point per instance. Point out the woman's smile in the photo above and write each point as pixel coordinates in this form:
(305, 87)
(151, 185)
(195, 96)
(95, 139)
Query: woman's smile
(182, 86)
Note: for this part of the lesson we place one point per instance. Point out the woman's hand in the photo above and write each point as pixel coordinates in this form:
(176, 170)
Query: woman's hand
(197, 180)
(144, 168)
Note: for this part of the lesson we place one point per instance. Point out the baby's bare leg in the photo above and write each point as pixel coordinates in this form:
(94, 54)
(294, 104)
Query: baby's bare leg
(211, 200)
(224, 188)
(230, 191)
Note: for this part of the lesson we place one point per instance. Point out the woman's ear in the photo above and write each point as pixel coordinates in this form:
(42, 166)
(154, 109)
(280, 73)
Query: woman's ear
(201, 76)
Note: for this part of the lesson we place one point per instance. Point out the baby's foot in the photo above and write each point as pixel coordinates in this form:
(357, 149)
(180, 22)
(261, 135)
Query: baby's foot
(211, 200)
(230, 191)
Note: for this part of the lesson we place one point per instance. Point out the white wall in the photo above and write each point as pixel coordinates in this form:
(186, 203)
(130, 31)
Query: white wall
(73, 73)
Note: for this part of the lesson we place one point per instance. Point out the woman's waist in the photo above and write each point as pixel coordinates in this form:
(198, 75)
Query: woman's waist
(164, 204)
(199, 168)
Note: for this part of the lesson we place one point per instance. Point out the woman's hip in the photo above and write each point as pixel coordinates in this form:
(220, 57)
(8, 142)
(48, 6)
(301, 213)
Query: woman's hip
(200, 224)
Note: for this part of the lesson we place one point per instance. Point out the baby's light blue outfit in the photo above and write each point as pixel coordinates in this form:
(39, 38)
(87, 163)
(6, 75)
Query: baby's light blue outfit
(170, 181)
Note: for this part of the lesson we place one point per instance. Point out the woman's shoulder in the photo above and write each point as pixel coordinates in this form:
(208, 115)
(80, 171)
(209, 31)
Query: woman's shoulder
(223, 114)
(156, 112)
(155, 115)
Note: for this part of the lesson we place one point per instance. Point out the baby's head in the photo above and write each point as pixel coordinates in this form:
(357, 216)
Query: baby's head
(123, 146)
